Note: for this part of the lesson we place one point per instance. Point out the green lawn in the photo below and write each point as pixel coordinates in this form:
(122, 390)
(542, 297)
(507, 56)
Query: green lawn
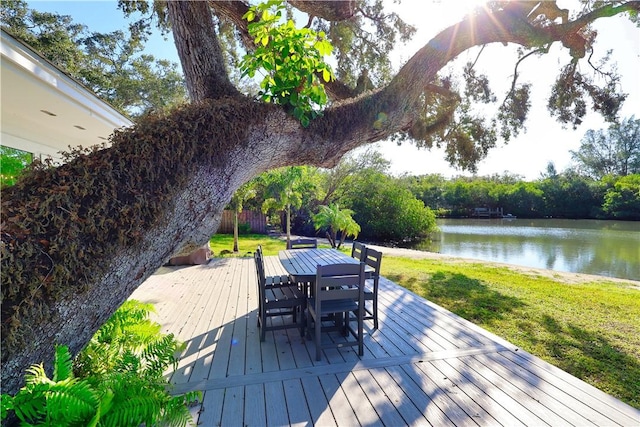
(591, 330)
(222, 245)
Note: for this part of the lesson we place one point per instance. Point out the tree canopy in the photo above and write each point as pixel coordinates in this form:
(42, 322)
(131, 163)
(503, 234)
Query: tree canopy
(79, 238)
(614, 151)
(112, 65)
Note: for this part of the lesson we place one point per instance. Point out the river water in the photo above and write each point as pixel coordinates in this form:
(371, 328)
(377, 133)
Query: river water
(605, 248)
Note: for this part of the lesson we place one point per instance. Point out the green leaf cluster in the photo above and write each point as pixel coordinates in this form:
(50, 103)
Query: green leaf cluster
(12, 162)
(117, 380)
(291, 60)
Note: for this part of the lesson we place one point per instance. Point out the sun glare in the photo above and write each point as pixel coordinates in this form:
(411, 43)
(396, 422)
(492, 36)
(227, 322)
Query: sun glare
(465, 7)
(439, 13)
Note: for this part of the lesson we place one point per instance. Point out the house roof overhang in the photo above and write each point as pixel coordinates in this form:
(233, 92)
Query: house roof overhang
(43, 110)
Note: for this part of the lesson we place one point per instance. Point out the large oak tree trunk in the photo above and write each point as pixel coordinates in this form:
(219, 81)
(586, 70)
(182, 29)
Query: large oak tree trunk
(78, 239)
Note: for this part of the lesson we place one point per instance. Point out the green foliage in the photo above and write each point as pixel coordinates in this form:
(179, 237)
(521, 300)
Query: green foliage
(245, 192)
(363, 43)
(285, 189)
(61, 400)
(117, 380)
(386, 211)
(513, 112)
(244, 228)
(559, 195)
(572, 89)
(614, 151)
(291, 58)
(623, 200)
(570, 195)
(12, 162)
(336, 220)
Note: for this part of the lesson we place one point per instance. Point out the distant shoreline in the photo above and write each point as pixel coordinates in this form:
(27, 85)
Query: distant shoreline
(565, 276)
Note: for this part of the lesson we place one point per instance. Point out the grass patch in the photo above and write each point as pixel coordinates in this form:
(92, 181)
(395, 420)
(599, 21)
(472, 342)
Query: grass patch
(222, 245)
(590, 330)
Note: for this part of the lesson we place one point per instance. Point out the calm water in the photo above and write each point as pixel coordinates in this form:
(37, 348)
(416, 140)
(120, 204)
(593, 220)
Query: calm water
(605, 248)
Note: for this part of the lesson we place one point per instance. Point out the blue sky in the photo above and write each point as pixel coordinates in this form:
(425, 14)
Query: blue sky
(527, 155)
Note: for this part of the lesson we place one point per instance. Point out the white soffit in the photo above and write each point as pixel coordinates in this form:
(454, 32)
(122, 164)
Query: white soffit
(42, 107)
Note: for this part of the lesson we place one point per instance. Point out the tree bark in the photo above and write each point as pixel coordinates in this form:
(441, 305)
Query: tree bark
(77, 240)
(199, 50)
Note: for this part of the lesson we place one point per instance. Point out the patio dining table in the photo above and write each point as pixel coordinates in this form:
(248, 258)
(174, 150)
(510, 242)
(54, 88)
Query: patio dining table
(302, 264)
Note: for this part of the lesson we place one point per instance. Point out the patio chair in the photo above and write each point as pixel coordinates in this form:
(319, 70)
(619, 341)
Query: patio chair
(302, 244)
(358, 251)
(373, 259)
(339, 291)
(277, 296)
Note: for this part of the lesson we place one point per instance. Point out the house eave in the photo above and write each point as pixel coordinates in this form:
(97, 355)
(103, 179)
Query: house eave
(45, 111)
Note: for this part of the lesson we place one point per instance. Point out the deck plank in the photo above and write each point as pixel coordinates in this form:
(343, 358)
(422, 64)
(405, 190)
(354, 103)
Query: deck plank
(317, 402)
(277, 414)
(255, 405)
(522, 401)
(379, 399)
(616, 411)
(474, 388)
(549, 396)
(211, 412)
(338, 401)
(233, 407)
(423, 366)
(362, 404)
(196, 360)
(438, 396)
(296, 403)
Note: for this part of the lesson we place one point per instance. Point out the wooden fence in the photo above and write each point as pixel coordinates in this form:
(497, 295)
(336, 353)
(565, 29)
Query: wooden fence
(257, 222)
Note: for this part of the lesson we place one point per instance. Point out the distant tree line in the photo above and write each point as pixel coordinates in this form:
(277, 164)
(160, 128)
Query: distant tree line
(603, 183)
(383, 208)
(562, 195)
(401, 209)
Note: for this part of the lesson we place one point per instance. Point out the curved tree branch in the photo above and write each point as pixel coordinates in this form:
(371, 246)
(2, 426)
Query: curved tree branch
(233, 11)
(515, 69)
(330, 10)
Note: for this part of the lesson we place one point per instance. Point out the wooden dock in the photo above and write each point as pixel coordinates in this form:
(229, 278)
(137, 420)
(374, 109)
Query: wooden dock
(423, 366)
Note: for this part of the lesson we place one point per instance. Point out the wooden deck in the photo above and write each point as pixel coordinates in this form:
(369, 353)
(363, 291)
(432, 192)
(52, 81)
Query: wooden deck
(423, 366)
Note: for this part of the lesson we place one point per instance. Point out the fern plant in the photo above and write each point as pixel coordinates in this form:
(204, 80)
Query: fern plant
(60, 401)
(117, 380)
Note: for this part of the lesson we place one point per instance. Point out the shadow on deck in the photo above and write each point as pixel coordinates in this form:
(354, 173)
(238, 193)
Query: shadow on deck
(423, 366)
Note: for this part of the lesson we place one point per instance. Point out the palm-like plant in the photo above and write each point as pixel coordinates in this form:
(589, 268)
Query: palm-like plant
(285, 185)
(336, 220)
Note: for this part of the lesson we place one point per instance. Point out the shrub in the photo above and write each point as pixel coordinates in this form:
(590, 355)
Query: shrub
(244, 228)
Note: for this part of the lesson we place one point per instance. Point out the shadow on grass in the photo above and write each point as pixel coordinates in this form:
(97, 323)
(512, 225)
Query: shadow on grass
(589, 356)
(468, 298)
